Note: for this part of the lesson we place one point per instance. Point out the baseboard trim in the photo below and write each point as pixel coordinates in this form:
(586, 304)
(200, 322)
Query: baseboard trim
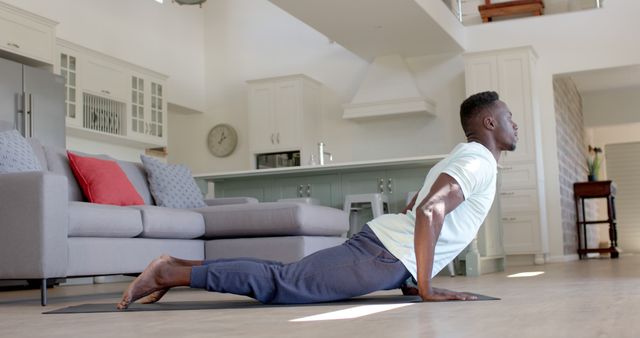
(562, 258)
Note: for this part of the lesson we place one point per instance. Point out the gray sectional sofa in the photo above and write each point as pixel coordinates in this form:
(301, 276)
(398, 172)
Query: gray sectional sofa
(48, 231)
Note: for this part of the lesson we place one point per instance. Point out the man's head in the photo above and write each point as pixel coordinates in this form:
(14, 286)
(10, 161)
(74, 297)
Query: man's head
(485, 118)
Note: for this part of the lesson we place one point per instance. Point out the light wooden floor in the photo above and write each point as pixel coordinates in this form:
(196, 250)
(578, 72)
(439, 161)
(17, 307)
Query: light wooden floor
(594, 298)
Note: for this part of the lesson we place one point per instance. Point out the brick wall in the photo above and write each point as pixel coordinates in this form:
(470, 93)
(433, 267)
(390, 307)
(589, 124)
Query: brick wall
(571, 159)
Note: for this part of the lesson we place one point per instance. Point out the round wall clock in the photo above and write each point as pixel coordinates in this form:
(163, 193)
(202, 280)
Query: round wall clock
(222, 140)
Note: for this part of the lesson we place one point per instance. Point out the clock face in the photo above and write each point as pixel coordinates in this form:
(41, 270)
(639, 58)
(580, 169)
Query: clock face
(222, 140)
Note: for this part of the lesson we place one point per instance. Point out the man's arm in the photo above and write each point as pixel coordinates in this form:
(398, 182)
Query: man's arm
(411, 204)
(445, 195)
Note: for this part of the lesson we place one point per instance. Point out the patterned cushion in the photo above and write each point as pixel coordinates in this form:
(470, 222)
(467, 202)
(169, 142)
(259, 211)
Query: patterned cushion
(16, 155)
(172, 185)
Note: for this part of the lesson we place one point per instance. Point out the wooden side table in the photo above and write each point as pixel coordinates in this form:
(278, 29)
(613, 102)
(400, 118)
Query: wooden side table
(589, 190)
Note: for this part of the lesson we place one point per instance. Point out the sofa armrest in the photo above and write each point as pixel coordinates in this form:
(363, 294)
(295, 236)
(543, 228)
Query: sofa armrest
(230, 200)
(33, 226)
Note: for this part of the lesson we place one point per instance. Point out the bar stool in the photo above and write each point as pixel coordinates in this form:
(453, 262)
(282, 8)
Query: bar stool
(451, 267)
(379, 204)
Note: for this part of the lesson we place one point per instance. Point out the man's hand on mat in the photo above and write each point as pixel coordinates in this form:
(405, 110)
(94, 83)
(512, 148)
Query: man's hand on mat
(439, 295)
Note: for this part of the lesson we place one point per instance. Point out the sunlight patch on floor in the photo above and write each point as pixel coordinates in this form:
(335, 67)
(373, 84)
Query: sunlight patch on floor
(350, 313)
(526, 274)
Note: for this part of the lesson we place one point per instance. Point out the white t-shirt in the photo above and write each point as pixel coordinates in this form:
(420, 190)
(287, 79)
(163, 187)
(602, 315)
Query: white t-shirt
(474, 168)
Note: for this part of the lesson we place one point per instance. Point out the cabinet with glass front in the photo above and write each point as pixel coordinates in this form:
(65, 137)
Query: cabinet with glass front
(111, 100)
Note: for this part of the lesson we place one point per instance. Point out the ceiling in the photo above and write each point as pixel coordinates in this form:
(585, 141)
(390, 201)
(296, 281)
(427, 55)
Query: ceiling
(606, 79)
(371, 28)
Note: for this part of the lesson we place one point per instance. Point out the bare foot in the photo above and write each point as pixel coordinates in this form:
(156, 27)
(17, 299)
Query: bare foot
(154, 297)
(148, 282)
(162, 274)
(157, 295)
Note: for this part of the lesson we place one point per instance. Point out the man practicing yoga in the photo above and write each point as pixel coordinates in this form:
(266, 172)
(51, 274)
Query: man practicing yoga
(439, 222)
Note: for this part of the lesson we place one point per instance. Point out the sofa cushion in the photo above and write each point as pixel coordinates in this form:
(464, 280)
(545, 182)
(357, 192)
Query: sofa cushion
(160, 222)
(16, 155)
(101, 220)
(103, 181)
(138, 177)
(172, 185)
(58, 163)
(273, 219)
(108, 256)
(284, 249)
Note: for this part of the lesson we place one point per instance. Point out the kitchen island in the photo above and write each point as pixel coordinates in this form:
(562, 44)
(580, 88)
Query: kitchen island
(328, 184)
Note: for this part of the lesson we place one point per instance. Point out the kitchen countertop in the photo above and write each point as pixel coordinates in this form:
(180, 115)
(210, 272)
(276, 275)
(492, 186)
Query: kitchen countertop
(406, 162)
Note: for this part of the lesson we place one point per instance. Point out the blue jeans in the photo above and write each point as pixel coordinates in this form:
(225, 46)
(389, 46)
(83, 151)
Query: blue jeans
(359, 266)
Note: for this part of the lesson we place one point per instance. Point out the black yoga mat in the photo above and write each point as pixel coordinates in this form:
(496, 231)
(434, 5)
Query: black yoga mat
(236, 304)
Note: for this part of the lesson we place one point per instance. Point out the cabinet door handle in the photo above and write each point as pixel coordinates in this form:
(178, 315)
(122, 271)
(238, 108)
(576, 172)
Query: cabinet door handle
(507, 219)
(380, 185)
(105, 92)
(23, 111)
(30, 112)
(278, 138)
(272, 138)
(300, 189)
(390, 186)
(308, 190)
(510, 193)
(14, 45)
(507, 168)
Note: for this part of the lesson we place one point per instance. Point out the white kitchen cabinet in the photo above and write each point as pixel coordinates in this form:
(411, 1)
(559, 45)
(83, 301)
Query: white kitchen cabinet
(522, 231)
(104, 78)
(511, 73)
(518, 175)
(26, 34)
(148, 107)
(519, 200)
(111, 100)
(283, 115)
(69, 68)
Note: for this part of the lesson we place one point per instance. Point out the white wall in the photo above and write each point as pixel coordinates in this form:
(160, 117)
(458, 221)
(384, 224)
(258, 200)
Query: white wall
(166, 38)
(249, 39)
(570, 42)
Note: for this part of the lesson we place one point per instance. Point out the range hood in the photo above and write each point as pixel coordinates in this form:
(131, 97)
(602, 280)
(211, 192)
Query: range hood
(388, 89)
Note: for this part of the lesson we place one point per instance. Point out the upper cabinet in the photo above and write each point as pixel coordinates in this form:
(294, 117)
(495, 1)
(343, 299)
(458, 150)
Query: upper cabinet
(69, 70)
(148, 108)
(26, 35)
(284, 114)
(104, 78)
(111, 100)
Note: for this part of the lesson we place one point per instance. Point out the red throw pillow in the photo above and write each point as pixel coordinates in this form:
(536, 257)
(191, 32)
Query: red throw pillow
(103, 181)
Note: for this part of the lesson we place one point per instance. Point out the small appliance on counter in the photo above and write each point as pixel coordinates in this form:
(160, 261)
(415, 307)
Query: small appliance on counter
(278, 160)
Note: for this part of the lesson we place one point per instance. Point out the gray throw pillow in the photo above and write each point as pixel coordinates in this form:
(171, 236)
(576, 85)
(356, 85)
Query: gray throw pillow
(172, 185)
(16, 155)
